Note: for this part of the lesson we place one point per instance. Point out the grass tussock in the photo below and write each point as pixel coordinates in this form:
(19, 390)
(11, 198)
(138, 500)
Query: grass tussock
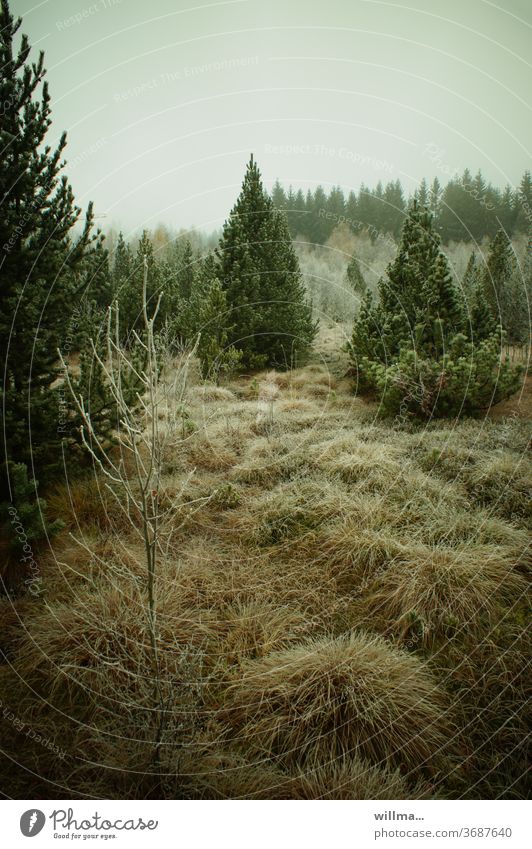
(341, 612)
(328, 699)
(427, 595)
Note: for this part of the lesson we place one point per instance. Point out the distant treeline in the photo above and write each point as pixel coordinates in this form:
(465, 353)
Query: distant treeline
(467, 209)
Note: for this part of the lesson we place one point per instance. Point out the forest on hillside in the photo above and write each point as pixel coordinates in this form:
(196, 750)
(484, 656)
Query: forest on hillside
(465, 209)
(265, 493)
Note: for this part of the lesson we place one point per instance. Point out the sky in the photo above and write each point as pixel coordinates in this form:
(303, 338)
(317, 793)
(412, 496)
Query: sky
(164, 101)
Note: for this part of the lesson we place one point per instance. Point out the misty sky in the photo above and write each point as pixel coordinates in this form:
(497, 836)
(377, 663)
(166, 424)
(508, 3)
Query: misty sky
(163, 100)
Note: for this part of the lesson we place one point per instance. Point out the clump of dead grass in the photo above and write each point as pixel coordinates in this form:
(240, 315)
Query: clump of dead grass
(432, 594)
(328, 699)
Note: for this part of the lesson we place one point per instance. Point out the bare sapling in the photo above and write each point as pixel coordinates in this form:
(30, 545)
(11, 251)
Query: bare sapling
(145, 430)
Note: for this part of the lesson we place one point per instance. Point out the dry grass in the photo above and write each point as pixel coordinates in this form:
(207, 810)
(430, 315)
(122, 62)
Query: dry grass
(355, 779)
(336, 599)
(233, 777)
(427, 595)
(328, 699)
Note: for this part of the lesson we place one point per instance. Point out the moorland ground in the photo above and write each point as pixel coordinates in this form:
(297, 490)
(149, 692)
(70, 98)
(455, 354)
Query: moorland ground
(341, 609)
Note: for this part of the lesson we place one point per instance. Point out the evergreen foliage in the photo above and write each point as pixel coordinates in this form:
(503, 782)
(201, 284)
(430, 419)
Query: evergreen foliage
(216, 356)
(413, 347)
(500, 266)
(122, 268)
(505, 288)
(355, 277)
(467, 208)
(259, 273)
(24, 516)
(46, 275)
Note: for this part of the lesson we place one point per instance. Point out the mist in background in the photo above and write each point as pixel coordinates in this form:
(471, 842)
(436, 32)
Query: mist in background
(163, 101)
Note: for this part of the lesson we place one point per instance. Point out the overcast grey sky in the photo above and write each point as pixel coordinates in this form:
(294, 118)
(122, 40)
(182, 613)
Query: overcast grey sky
(163, 100)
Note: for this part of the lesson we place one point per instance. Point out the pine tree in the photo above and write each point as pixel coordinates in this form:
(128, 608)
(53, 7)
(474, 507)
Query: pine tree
(401, 290)
(355, 277)
(472, 276)
(94, 277)
(411, 346)
(500, 267)
(186, 270)
(40, 262)
(523, 222)
(480, 324)
(130, 292)
(215, 354)
(441, 313)
(259, 272)
(483, 325)
(122, 265)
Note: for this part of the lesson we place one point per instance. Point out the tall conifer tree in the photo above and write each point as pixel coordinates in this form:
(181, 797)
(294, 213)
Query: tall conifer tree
(40, 261)
(259, 272)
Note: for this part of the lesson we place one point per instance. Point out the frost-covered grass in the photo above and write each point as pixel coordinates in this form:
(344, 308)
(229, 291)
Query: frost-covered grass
(341, 612)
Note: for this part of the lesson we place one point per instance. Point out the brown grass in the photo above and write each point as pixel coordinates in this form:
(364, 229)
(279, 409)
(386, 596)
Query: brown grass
(328, 699)
(427, 595)
(336, 600)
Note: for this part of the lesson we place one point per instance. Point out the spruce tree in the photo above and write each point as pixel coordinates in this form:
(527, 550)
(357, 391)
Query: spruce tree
(422, 194)
(278, 197)
(315, 225)
(435, 200)
(351, 210)
(259, 272)
(41, 263)
(505, 205)
(393, 207)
